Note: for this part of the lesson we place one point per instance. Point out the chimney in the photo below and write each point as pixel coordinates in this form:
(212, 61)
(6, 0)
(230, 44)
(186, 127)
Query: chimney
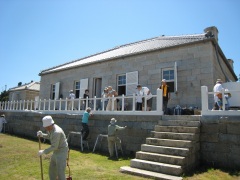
(211, 32)
(230, 61)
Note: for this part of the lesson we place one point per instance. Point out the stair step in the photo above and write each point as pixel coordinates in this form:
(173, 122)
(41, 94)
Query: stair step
(176, 136)
(148, 174)
(169, 142)
(157, 167)
(178, 129)
(163, 158)
(181, 118)
(165, 150)
(179, 123)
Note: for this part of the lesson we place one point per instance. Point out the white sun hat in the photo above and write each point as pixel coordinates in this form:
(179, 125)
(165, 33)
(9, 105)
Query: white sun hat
(47, 121)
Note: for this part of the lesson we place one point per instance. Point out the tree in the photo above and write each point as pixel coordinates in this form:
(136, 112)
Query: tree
(19, 84)
(4, 96)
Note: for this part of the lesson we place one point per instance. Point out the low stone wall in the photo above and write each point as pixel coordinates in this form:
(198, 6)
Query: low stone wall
(138, 127)
(220, 141)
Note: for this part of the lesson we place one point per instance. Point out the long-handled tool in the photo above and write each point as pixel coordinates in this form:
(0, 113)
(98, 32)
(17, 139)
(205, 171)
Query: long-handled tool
(39, 142)
(69, 172)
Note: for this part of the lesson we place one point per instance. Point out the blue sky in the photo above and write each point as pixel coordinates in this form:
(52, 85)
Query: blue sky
(36, 35)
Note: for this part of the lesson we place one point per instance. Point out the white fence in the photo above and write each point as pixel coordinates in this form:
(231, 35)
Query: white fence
(205, 109)
(126, 105)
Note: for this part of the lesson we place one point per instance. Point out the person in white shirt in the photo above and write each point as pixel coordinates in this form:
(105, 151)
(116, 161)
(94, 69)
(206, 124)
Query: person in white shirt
(139, 100)
(146, 93)
(217, 93)
(2, 121)
(71, 98)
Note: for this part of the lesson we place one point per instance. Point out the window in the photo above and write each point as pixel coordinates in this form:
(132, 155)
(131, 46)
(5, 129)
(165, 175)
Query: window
(127, 83)
(168, 74)
(52, 95)
(121, 84)
(77, 88)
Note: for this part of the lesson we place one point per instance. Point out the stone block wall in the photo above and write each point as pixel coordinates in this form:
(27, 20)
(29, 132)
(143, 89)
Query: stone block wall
(220, 141)
(138, 127)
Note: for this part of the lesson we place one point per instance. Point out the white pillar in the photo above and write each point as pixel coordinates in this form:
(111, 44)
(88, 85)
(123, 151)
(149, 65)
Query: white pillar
(134, 102)
(204, 96)
(159, 100)
(123, 102)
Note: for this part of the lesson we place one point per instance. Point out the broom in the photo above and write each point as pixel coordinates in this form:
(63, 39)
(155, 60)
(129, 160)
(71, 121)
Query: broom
(39, 142)
(69, 172)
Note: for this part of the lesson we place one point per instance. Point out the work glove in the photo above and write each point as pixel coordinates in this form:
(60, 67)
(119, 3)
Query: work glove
(40, 152)
(39, 133)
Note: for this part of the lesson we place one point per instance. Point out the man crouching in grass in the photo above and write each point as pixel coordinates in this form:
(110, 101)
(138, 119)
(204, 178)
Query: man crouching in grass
(59, 146)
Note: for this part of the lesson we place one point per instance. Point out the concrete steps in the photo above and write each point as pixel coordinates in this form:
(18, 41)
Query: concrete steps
(148, 174)
(156, 167)
(171, 150)
(157, 157)
(176, 129)
(169, 142)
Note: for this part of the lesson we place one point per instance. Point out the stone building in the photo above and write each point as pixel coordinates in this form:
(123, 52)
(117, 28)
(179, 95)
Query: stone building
(187, 62)
(27, 91)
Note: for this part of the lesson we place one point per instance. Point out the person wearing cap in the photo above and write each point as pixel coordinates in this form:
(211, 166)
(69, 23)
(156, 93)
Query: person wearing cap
(71, 98)
(166, 95)
(146, 94)
(112, 129)
(85, 129)
(2, 121)
(111, 93)
(59, 147)
(217, 89)
(139, 100)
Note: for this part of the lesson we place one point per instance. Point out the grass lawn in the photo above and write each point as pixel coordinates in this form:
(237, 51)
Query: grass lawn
(19, 160)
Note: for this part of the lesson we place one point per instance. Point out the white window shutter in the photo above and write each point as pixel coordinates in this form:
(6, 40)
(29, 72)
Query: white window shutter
(131, 82)
(57, 89)
(83, 86)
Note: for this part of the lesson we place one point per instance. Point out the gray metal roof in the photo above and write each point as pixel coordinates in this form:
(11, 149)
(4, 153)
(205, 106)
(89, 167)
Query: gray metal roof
(130, 49)
(35, 86)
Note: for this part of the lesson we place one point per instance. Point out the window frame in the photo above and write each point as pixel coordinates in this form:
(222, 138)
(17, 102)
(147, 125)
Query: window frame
(172, 81)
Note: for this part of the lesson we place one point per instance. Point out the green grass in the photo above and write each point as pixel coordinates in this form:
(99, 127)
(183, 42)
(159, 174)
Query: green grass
(19, 160)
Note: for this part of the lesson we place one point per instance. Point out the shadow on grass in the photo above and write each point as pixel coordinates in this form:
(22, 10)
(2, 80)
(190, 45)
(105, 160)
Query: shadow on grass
(206, 168)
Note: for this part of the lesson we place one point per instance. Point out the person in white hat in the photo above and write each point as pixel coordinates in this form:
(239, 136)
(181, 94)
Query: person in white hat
(2, 121)
(71, 98)
(217, 89)
(112, 129)
(59, 147)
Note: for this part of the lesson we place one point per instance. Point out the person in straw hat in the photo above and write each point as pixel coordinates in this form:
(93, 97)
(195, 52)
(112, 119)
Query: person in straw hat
(112, 129)
(217, 93)
(59, 147)
(2, 121)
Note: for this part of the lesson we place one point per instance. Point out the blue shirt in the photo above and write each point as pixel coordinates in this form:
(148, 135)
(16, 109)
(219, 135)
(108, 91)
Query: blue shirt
(85, 117)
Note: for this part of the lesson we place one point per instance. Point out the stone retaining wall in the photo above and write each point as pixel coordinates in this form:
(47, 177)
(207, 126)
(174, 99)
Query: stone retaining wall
(219, 136)
(138, 127)
(220, 141)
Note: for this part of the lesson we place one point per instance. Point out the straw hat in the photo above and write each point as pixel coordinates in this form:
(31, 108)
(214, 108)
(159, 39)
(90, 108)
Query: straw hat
(113, 121)
(47, 121)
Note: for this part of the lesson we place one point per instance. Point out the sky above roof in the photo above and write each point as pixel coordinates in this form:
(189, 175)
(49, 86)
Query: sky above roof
(37, 35)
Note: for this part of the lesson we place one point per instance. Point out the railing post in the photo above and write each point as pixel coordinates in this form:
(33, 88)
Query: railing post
(112, 103)
(60, 104)
(20, 106)
(123, 102)
(204, 95)
(103, 104)
(17, 105)
(72, 104)
(49, 104)
(79, 104)
(223, 100)
(94, 103)
(39, 105)
(54, 104)
(159, 100)
(31, 104)
(44, 104)
(24, 104)
(66, 104)
(134, 102)
(86, 104)
(145, 103)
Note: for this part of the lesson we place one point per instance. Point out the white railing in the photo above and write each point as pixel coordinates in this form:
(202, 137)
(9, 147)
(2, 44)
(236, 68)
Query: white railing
(127, 105)
(205, 109)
